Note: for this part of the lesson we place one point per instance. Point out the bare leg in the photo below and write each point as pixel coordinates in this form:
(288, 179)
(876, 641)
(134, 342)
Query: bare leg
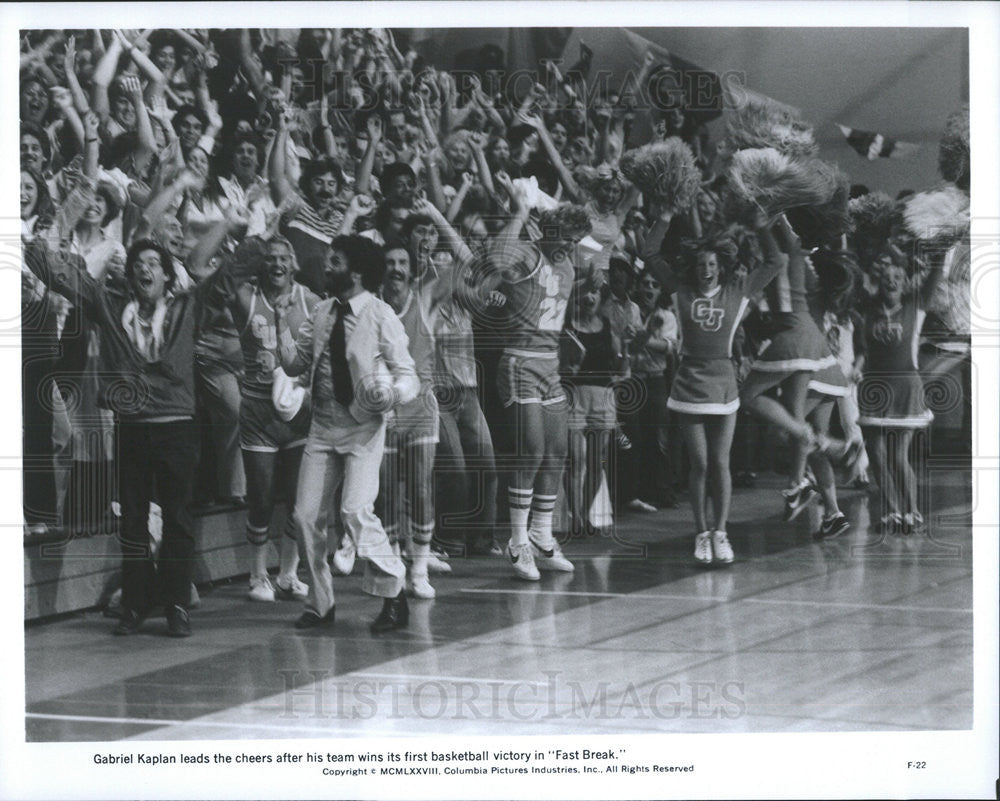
(693, 432)
(820, 462)
(719, 440)
(577, 471)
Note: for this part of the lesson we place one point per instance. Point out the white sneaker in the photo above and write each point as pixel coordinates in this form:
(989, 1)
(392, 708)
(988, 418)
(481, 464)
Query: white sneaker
(523, 561)
(289, 588)
(550, 558)
(721, 548)
(419, 587)
(639, 505)
(435, 564)
(703, 547)
(261, 589)
(343, 557)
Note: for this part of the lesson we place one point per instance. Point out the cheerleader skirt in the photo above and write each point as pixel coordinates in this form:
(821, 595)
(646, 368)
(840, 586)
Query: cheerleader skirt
(893, 400)
(704, 386)
(798, 347)
(830, 381)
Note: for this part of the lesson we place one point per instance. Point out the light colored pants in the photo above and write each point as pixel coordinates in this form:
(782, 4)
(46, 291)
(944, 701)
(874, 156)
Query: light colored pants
(323, 469)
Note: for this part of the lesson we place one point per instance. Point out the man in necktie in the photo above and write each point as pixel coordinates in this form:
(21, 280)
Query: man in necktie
(355, 351)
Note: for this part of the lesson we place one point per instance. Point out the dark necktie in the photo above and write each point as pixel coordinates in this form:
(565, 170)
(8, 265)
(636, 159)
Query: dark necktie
(343, 390)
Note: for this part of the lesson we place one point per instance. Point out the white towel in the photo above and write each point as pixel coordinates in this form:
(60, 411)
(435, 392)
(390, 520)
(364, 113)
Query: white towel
(287, 395)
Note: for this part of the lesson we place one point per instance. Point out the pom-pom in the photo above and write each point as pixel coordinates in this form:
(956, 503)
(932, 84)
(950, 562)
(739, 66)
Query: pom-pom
(763, 123)
(953, 152)
(766, 181)
(874, 218)
(940, 215)
(664, 172)
(822, 224)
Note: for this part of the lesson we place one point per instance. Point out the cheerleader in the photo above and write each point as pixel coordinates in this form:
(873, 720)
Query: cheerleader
(891, 395)
(796, 350)
(710, 304)
(830, 387)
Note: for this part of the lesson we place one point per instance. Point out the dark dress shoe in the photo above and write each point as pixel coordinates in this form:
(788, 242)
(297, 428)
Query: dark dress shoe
(129, 622)
(178, 622)
(313, 620)
(395, 614)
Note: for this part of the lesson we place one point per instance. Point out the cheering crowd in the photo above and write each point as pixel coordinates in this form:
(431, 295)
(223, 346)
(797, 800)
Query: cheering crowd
(436, 312)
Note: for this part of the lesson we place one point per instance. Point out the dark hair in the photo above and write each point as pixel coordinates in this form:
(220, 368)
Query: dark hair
(837, 272)
(38, 132)
(722, 246)
(44, 209)
(412, 222)
(623, 266)
(163, 38)
(394, 243)
(242, 137)
(320, 166)
(111, 201)
(188, 111)
(166, 260)
(393, 171)
(364, 257)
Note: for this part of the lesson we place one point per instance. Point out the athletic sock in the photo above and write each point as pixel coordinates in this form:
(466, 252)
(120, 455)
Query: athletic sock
(542, 507)
(520, 507)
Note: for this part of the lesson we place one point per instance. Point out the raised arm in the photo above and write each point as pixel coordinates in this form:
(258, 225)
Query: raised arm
(565, 177)
(653, 244)
(62, 272)
(775, 255)
(277, 180)
(104, 73)
(362, 180)
(359, 207)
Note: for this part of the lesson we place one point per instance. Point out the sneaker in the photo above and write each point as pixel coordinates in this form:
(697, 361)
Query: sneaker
(261, 589)
(833, 526)
(343, 557)
(890, 524)
(496, 549)
(622, 441)
(798, 499)
(289, 588)
(639, 505)
(419, 587)
(436, 562)
(703, 547)
(721, 549)
(129, 622)
(912, 522)
(178, 622)
(523, 561)
(550, 558)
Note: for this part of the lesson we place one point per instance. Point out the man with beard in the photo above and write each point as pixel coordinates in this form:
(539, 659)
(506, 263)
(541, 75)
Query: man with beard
(354, 351)
(317, 220)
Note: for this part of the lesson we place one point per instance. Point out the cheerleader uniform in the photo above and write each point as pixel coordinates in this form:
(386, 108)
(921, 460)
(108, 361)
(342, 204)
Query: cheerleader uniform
(891, 394)
(798, 344)
(705, 382)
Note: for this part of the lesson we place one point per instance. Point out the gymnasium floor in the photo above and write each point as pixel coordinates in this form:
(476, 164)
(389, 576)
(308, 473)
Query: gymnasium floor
(861, 633)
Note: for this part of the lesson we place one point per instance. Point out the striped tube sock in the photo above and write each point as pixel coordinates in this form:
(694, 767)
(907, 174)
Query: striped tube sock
(520, 507)
(542, 507)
